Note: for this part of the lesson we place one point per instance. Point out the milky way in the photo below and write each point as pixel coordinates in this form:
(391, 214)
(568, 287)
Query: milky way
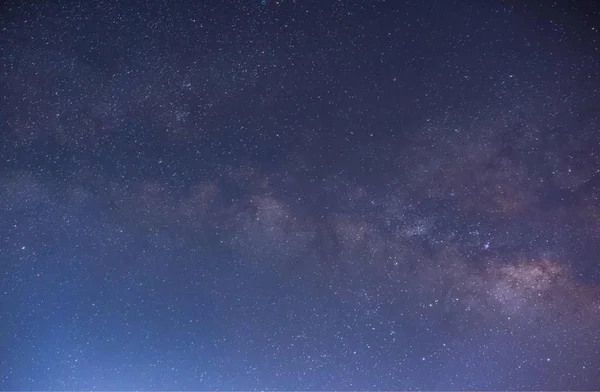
(294, 195)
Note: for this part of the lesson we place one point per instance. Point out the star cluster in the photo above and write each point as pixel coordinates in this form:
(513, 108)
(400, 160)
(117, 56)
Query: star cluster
(294, 195)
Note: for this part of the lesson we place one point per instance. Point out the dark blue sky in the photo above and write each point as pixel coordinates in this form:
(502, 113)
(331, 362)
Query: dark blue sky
(295, 195)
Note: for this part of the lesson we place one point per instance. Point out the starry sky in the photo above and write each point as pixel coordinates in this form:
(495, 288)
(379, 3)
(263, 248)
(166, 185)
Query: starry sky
(298, 194)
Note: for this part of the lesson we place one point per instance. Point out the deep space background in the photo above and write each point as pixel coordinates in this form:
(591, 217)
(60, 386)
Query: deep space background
(300, 195)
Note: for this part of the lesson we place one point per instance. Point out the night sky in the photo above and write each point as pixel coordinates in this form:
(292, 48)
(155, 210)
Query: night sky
(300, 194)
